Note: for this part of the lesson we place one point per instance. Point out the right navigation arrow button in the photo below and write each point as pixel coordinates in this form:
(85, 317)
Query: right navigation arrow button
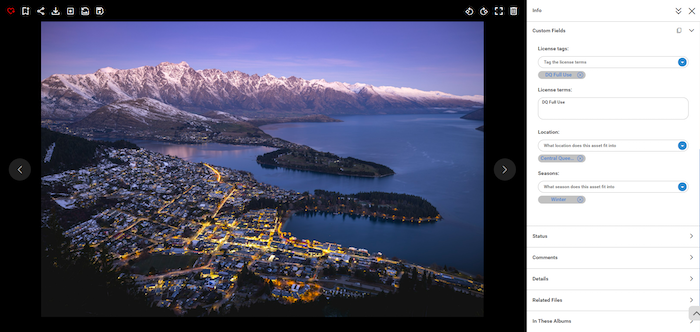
(504, 169)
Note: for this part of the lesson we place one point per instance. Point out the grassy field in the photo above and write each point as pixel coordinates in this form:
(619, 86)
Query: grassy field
(163, 262)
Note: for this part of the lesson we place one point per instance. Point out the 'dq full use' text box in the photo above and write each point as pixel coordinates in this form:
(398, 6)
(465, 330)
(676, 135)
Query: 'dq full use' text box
(621, 108)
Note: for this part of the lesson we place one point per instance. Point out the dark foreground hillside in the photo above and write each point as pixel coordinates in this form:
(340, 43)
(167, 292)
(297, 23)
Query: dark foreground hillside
(72, 152)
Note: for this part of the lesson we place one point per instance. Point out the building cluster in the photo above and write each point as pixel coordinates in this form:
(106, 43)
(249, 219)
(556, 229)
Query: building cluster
(161, 209)
(156, 199)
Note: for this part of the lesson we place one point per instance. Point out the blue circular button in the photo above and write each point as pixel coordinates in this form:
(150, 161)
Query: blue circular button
(682, 62)
(682, 145)
(682, 186)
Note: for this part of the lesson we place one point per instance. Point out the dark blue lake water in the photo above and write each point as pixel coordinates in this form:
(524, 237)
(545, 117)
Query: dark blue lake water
(436, 156)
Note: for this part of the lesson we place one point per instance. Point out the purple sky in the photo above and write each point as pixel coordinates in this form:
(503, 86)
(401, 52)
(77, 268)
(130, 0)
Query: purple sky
(441, 56)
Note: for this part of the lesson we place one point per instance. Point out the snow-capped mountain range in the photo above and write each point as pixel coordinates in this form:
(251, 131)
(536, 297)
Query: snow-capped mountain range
(200, 91)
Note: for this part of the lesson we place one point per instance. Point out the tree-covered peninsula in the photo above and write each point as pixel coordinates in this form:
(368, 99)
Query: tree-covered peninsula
(400, 207)
(374, 204)
(325, 162)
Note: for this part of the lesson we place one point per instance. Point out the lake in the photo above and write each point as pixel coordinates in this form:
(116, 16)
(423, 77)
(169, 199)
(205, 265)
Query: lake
(436, 156)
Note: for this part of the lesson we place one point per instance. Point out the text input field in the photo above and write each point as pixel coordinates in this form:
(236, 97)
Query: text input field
(603, 186)
(613, 108)
(613, 145)
(613, 62)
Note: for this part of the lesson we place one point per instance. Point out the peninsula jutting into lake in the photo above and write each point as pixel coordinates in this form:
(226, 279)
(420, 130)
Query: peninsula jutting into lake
(324, 162)
(392, 206)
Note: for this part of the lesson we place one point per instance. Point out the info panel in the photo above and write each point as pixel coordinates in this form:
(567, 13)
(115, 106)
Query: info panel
(613, 150)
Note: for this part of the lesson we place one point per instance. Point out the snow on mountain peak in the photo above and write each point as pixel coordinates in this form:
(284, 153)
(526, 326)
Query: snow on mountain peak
(411, 93)
(356, 87)
(108, 70)
(170, 64)
(476, 98)
(338, 86)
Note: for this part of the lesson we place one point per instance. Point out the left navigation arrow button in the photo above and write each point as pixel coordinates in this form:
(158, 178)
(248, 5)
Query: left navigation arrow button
(20, 169)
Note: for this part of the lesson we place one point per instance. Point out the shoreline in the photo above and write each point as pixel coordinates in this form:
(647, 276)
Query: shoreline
(285, 218)
(374, 215)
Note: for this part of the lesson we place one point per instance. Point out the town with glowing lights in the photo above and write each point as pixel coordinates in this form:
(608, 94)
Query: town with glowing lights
(193, 235)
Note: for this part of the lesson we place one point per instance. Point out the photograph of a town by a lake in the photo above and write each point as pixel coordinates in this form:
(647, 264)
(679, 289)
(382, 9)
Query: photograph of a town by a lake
(236, 169)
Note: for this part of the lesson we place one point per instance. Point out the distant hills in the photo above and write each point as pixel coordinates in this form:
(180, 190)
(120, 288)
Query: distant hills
(158, 119)
(475, 115)
(73, 97)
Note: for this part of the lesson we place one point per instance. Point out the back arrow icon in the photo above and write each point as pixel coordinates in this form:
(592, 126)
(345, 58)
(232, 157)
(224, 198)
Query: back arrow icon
(19, 169)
